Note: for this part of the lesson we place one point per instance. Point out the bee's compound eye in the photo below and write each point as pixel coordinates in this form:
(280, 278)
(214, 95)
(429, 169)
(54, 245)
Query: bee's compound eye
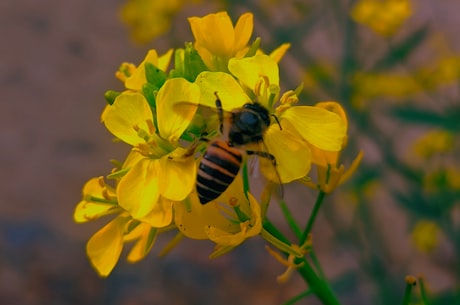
(249, 118)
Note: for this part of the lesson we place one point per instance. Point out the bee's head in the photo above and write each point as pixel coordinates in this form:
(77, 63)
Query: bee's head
(260, 110)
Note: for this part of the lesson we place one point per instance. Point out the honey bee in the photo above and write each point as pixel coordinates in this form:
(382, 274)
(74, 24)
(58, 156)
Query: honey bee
(222, 159)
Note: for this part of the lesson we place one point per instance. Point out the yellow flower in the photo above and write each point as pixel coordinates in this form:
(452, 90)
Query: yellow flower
(382, 16)
(98, 200)
(432, 143)
(301, 126)
(159, 173)
(136, 76)
(217, 40)
(105, 246)
(330, 173)
(227, 220)
(425, 235)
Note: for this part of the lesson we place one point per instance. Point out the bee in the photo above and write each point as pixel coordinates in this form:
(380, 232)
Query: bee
(222, 159)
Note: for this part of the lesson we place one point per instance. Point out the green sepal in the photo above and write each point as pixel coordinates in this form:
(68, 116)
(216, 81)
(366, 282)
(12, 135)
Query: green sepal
(110, 96)
(149, 90)
(219, 251)
(254, 47)
(154, 75)
(118, 174)
(132, 225)
(178, 70)
(279, 244)
(193, 63)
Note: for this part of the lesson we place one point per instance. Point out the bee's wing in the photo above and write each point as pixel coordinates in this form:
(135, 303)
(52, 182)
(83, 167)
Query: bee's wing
(266, 165)
(208, 120)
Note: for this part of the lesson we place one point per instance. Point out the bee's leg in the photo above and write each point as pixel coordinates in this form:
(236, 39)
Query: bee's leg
(270, 157)
(262, 154)
(191, 150)
(220, 112)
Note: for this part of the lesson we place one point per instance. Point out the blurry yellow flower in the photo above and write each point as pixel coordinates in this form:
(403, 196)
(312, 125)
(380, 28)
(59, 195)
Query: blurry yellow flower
(382, 16)
(148, 19)
(446, 178)
(433, 142)
(216, 40)
(159, 174)
(425, 235)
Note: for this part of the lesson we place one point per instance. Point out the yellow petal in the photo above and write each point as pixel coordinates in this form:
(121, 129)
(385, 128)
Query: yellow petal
(164, 60)
(230, 92)
(176, 105)
(87, 210)
(144, 244)
(248, 229)
(138, 190)
(291, 152)
(215, 32)
(129, 111)
(193, 220)
(104, 247)
(249, 69)
(161, 214)
(335, 108)
(178, 175)
(138, 79)
(243, 31)
(322, 128)
(279, 52)
(323, 157)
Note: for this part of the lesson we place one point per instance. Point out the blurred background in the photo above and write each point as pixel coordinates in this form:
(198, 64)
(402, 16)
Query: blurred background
(395, 67)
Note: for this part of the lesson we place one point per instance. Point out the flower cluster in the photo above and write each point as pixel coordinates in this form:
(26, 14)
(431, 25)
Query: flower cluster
(166, 109)
(384, 17)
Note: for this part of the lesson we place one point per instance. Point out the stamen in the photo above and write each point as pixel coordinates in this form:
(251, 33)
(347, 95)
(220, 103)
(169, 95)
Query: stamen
(101, 181)
(233, 202)
(151, 126)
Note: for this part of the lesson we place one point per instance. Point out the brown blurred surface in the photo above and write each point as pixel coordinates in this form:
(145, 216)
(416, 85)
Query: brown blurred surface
(56, 60)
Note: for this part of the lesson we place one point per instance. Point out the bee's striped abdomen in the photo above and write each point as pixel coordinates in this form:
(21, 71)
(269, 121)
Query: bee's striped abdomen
(218, 168)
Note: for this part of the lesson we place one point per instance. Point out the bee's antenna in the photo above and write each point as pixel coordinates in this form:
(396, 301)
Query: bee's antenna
(277, 121)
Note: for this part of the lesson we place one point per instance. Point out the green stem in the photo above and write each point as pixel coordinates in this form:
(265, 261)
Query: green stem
(423, 293)
(298, 297)
(408, 292)
(317, 285)
(311, 220)
(245, 174)
(315, 261)
(289, 218)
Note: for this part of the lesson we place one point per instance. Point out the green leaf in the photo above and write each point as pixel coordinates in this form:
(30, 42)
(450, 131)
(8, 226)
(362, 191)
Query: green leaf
(449, 120)
(401, 50)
